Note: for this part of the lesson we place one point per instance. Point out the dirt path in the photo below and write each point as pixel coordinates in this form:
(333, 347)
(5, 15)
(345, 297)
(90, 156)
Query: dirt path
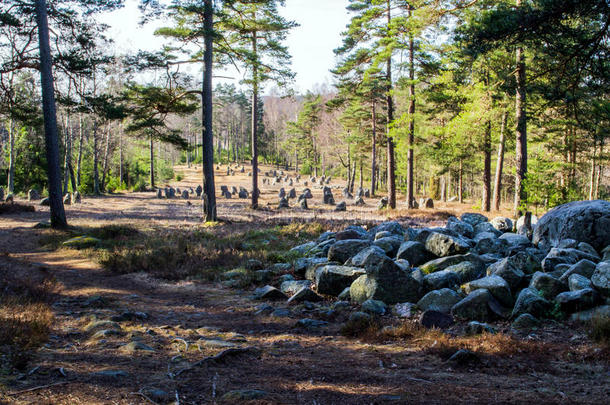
(130, 339)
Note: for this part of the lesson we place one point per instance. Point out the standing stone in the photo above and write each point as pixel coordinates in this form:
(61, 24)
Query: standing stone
(233, 190)
(9, 198)
(359, 202)
(426, 203)
(347, 194)
(185, 194)
(341, 206)
(383, 203)
(199, 190)
(601, 278)
(292, 193)
(283, 203)
(33, 195)
(282, 193)
(304, 204)
(67, 199)
(159, 193)
(76, 198)
(328, 196)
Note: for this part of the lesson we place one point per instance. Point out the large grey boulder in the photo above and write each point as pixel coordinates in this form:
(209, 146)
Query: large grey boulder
(496, 285)
(331, 280)
(502, 224)
(467, 271)
(303, 263)
(441, 279)
(444, 262)
(444, 245)
(342, 250)
(290, 287)
(479, 305)
(473, 218)
(580, 300)
(353, 232)
(390, 244)
(584, 268)
(486, 227)
(529, 302)
(564, 255)
(508, 271)
(389, 226)
(460, 227)
(515, 241)
(439, 300)
(577, 282)
(391, 289)
(584, 221)
(415, 252)
(548, 285)
(601, 278)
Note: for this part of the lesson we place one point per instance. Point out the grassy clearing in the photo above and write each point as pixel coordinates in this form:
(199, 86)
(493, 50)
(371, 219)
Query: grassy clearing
(203, 252)
(25, 316)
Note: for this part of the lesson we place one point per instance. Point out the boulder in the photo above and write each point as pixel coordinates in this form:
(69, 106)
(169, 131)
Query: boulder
(441, 279)
(426, 203)
(580, 300)
(485, 227)
(185, 194)
(445, 262)
(548, 285)
(292, 193)
(502, 224)
(473, 218)
(444, 245)
(460, 227)
(439, 300)
(478, 328)
(353, 232)
(516, 241)
(199, 190)
(342, 250)
(67, 199)
(529, 302)
(282, 193)
(415, 252)
(392, 227)
(269, 293)
(342, 206)
(506, 269)
(290, 287)
(159, 193)
(467, 271)
(479, 305)
(332, 280)
(389, 244)
(497, 287)
(435, 319)
(383, 203)
(601, 278)
(564, 255)
(389, 288)
(304, 294)
(374, 307)
(243, 193)
(584, 221)
(525, 322)
(577, 282)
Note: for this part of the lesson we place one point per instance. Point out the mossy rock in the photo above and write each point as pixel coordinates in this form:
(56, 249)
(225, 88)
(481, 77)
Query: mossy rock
(82, 242)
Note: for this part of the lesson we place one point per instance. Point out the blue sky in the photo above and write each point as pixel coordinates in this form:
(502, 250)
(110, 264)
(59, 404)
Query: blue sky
(311, 45)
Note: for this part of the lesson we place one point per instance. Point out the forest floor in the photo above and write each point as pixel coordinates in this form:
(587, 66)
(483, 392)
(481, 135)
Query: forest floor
(120, 337)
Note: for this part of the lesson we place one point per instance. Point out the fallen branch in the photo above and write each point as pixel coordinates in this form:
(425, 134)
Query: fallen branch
(40, 387)
(217, 358)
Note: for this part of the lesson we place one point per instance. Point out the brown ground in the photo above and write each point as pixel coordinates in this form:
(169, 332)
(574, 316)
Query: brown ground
(557, 364)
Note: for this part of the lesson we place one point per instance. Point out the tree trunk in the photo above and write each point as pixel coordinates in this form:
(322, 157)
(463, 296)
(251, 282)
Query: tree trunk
(81, 136)
(254, 204)
(361, 177)
(121, 156)
(486, 203)
(521, 132)
(373, 151)
(391, 180)
(443, 189)
(106, 156)
(461, 183)
(207, 137)
(11, 157)
(152, 162)
(67, 152)
(592, 174)
(499, 164)
(410, 158)
(58, 215)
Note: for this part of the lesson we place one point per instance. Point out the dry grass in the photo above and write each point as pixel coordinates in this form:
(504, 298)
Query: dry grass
(600, 330)
(25, 316)
(204, 252)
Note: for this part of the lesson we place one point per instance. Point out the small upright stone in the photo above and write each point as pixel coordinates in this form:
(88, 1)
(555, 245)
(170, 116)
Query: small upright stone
(67, 199)
(76, 198)
(341, 206)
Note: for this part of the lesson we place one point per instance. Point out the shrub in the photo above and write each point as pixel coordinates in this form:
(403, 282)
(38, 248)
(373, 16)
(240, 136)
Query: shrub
(600, 329)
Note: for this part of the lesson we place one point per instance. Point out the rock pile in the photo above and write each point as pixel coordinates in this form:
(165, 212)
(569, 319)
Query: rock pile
(472, 269)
